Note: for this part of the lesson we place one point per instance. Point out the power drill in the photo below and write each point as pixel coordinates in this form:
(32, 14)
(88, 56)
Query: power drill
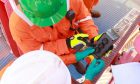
(103, 45)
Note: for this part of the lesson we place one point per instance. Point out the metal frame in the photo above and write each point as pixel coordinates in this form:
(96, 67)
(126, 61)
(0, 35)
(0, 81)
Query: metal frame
(5, 23)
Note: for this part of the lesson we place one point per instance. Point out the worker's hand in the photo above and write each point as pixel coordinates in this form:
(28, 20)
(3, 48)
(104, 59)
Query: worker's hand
(95, 39)
(77, 42)
(81, 55)
(94, 68)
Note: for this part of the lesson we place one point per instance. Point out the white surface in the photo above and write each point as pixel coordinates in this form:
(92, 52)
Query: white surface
(128, 73)
(37, 67)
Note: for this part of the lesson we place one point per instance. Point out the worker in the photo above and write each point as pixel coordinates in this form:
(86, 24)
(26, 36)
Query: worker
(49, 24)
(44, 67)
(90, 4)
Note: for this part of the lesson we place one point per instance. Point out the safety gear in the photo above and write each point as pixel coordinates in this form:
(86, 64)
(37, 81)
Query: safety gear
(37, 67)
(81, 55)
(44, 12)
(95, 39)
(19, 13)
(94, 68)
(30, 38)
(77, 41)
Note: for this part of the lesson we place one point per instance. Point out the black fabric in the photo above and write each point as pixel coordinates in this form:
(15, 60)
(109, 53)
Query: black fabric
(70, 15)
(68, 42)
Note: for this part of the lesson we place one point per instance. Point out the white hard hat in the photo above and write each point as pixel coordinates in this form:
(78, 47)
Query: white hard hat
(37, 67)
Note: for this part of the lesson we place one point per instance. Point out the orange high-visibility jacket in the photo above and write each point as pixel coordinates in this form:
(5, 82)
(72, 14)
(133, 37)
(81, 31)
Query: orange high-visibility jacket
(30, 38)
(90, 3)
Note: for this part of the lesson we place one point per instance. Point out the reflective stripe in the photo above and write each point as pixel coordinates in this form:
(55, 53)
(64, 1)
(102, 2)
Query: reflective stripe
(19, 13)
(52, 20)
(85, 19)
(68, 5)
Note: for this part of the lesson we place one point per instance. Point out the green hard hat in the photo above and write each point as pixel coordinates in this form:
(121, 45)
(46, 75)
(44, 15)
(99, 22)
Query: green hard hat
(44, 12)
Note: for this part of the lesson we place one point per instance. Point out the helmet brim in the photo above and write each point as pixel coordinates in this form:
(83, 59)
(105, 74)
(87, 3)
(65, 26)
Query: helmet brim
(55, 18)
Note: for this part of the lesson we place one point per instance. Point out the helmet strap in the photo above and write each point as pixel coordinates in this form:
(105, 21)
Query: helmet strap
(19, 13)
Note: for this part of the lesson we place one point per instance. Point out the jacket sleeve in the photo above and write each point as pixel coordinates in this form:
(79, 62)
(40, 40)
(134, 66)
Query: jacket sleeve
(26, 42)
(85, 21)
(59, 47)
(87, 82)
(29, 44)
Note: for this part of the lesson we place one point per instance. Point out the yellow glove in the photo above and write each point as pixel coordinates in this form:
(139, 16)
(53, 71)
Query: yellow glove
(77, 41)
(95, 39)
